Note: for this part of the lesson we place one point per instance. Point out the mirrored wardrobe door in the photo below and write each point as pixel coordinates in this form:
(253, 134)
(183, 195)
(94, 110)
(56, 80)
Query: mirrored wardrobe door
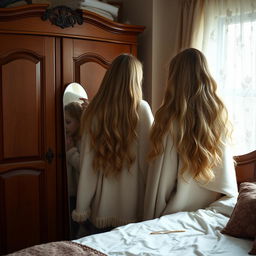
(75, 101)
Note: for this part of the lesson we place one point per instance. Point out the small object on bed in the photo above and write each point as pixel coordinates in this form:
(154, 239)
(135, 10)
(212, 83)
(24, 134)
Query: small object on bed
(166, 232)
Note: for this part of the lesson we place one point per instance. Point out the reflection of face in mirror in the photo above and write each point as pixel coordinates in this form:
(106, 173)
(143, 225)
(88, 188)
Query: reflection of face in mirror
(75, 101)
(73, 112)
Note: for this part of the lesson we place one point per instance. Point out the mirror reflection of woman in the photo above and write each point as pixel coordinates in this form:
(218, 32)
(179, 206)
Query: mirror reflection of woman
(73, 112)
(115, 129)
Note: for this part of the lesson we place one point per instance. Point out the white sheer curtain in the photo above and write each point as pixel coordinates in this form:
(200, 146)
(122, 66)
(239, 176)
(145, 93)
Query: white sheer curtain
(229, 43)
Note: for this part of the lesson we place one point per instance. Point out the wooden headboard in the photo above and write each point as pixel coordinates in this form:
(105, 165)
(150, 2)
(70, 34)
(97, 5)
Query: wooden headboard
(246, 167)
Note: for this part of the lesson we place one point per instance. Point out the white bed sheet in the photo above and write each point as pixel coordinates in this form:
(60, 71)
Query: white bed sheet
(202, 236)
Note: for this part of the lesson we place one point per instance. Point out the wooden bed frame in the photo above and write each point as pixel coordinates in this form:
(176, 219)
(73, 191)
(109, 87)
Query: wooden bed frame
(246, 167)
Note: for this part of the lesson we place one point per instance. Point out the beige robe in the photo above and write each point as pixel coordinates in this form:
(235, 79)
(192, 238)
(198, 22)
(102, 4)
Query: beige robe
(168, 192)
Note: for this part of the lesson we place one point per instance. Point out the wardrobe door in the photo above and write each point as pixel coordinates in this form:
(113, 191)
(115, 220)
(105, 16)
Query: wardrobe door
(28, 144)
(86, 61)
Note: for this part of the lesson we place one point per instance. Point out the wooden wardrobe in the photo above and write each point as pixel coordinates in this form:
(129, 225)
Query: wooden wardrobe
(41, 51)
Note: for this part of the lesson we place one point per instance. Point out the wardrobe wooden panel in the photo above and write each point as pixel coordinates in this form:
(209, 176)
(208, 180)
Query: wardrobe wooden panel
(27, 113)
(23, 198)
(23, 116)
(91, 83)
(87, 61)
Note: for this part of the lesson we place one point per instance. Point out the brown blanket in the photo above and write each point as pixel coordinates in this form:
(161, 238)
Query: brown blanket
(58, 248)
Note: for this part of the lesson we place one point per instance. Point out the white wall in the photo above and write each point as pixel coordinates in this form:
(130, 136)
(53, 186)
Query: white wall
(156, 44)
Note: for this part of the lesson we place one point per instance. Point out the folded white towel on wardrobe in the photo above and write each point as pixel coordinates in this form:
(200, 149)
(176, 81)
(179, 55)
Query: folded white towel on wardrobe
(98, 11)
(113, 10)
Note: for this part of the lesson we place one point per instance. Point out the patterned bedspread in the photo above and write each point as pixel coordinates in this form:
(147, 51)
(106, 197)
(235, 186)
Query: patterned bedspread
(63, 248)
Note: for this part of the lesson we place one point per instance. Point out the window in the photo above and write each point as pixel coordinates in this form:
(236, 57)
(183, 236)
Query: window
(230, 47)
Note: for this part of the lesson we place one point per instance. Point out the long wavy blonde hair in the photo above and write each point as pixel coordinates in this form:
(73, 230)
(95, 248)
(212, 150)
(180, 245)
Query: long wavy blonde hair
(112, 116)
(193, 115)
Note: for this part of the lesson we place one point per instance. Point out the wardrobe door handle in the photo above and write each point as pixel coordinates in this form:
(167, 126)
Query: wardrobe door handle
(49, 155)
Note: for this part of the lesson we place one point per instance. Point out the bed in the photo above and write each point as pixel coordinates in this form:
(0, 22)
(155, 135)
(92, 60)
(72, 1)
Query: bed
(203, 232)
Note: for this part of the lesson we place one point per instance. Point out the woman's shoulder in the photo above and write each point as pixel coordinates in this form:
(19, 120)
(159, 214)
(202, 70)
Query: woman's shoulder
(145, 110)
(144, 103)
(144, 106)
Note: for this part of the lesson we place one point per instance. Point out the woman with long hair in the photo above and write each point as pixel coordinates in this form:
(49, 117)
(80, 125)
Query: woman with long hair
(190, 164)
(115, 134)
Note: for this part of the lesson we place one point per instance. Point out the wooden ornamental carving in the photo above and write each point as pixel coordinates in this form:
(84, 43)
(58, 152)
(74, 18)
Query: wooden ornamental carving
(30, 19)
(63, 16)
